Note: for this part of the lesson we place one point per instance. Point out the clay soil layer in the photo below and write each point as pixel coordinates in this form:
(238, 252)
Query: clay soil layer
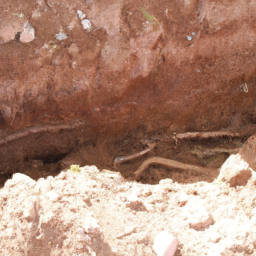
(173, 66)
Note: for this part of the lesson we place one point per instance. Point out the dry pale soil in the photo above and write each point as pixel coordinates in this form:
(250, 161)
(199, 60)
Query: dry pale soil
(88, 211)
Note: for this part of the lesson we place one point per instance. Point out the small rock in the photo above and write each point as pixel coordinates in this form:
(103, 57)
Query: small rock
(47, 218)
(189, 38)
(146, 192)
(165, 182)
(215, 237)
(91, 226)
(9, 233)
(141, 238)
(81, 15)
(133, 197)
(196, 214)
(29, 211)
(87, 25)
(149, 207)
(73, 49)
(53, 196)
(19, 178)
(28, 33)
(60, 36)
(235, 171)
(181, 199)
(165, 244)
(248, 152)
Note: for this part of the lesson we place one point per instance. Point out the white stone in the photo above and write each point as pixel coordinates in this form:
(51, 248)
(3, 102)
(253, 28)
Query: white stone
(215, 237)
(91, 226)
(29, 211)
(87, 25)
(60, 36)
(19, 178)
(165, 244)
(146, 191)
(28, 33)
(196, 214)
(47, 217)
(81, 15)
(235, 171)
(180, 198)
(53, 196)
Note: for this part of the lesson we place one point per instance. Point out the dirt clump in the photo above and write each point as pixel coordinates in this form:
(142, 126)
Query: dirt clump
(85, 211)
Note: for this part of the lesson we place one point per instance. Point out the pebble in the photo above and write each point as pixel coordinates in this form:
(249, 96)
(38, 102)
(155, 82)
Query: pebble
(197, 215)
(81, 15)
(53, 196)
(28, 33)
(87, 25)
(235, 171)
(189, 38)
(165, 244)
(60, 36)
(91, 226)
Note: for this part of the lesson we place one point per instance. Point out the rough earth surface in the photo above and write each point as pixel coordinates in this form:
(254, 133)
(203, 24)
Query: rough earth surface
(87, 211)
(133, 69)
(87, 81)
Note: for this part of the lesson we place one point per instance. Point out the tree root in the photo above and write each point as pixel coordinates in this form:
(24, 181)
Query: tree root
(206, 135)
(122, 159)
(36, 130)
(172, 164)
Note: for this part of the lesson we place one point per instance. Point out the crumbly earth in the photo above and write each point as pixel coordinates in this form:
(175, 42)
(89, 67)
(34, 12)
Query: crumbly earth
(45, 217)
(144, 68)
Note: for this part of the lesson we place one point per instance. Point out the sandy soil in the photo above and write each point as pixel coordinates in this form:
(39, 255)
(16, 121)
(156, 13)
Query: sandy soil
(91, 212)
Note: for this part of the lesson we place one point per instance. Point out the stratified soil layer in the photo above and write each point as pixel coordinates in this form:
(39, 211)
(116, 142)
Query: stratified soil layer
(144, 68)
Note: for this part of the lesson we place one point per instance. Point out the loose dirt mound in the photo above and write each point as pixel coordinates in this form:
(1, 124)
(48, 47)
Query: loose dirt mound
(96, 212)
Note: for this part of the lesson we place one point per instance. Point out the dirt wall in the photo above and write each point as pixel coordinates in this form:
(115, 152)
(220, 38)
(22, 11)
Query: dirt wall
(171, 65)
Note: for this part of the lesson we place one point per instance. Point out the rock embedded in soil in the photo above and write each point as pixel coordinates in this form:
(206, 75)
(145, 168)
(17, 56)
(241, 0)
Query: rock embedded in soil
(91, 226)
(165, 244)
(248, 152)
(28, 33)
(196, 215)
(235, 171)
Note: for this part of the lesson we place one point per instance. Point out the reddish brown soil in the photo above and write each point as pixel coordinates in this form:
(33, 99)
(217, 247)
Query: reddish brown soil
(105, 93)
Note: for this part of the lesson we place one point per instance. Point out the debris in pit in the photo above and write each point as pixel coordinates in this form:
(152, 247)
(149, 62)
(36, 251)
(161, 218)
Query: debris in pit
(122, 159)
